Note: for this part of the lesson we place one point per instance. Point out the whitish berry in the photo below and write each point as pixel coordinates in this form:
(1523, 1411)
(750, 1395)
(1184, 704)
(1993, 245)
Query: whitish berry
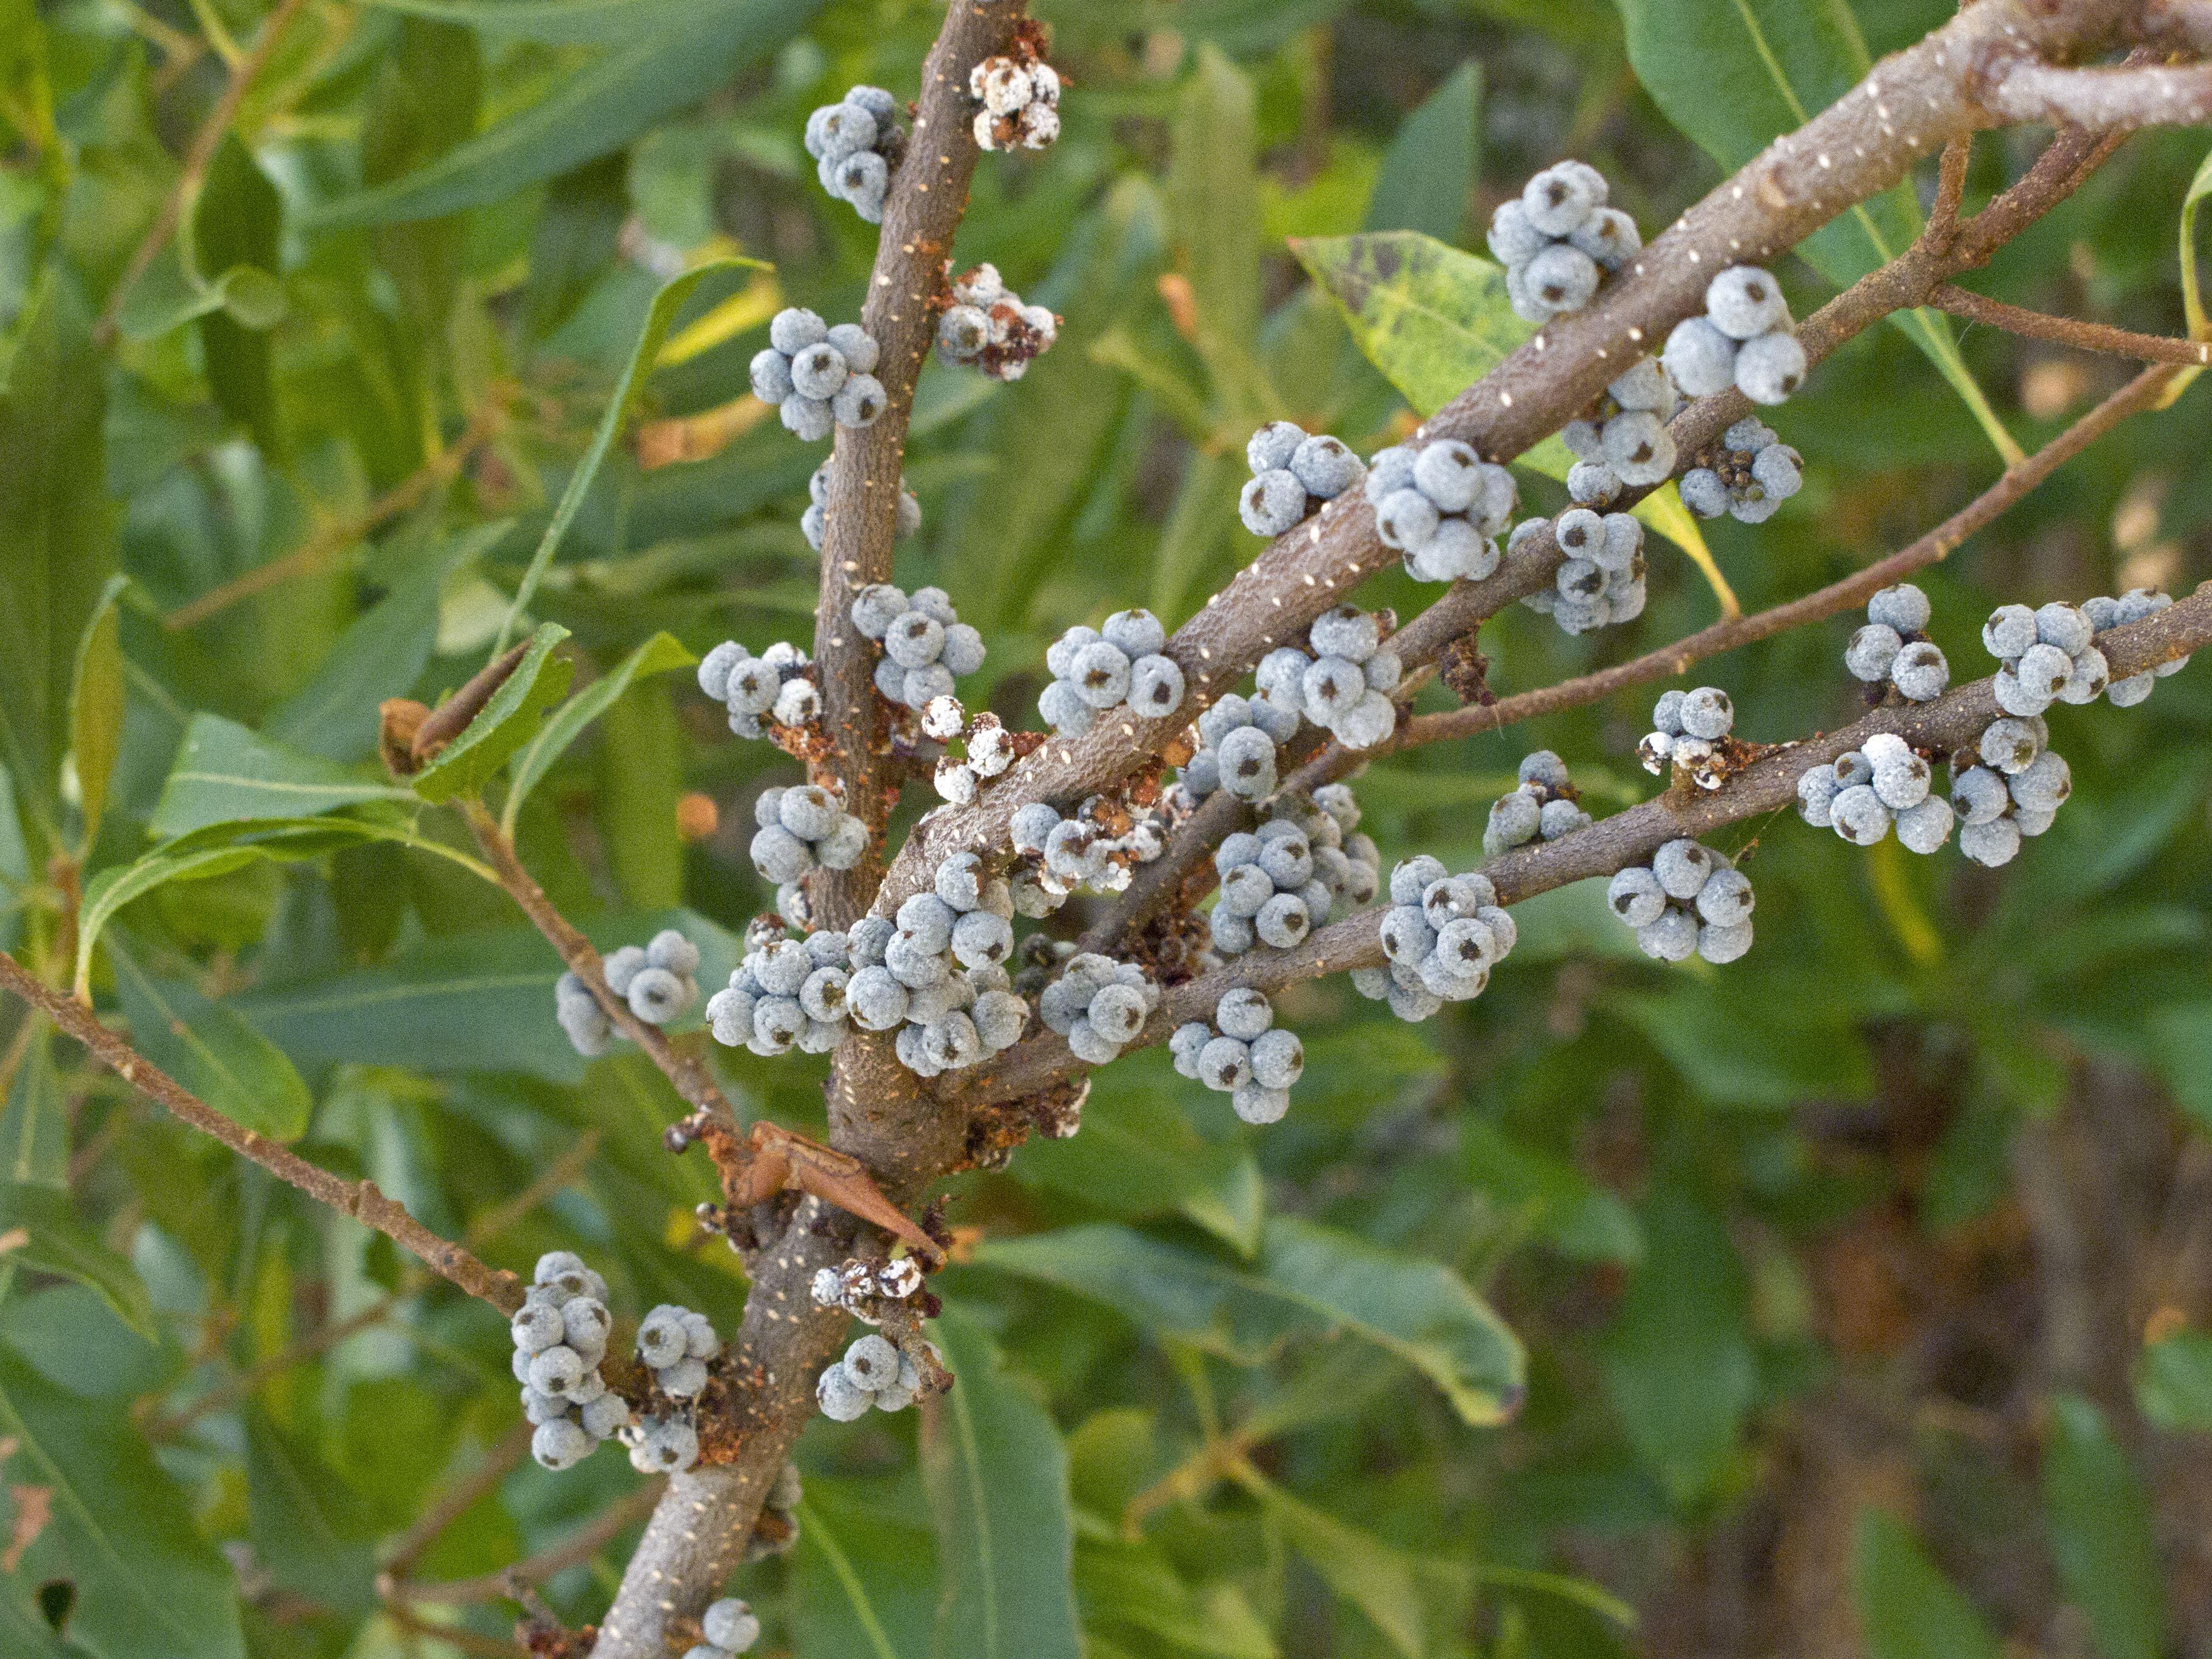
(1744, 302)
(560, 1444)
(730, 1626)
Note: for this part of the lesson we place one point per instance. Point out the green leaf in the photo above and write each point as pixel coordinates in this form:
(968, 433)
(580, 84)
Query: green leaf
(167, 296)
(1907, 1609)
(2102, 1533)
(96, 705)
(1138, 1157)
(864, 1581)
(1381, 1582)
(35, 1128)
(56, 551)
(148, 1585)
(1429, 171)
(2181, 1047)
(996, 1475)
(1214, 216)
(234, 227)
(1735, 75)
(509, 720)
(1678, 1362)
(598, 109)
(2174, 1388)
(310, 1529)
(476, 1002)
(56, 1242)
(564, 22)
(217, 849)
(657, 655)
(227, 773)
(1436, 321)
(2192, 297)
(380, 655)
(213, 1050)
(1312, 1281)
(659, 317)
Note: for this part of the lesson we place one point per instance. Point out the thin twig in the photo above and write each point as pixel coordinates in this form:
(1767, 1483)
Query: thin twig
(1950, 191)
(687, 1071)
(360, 1199)
(198, 159)
(2067, 330)
(577, 1548)
(2140, 393)
(324, 546)
(2120, 99)
(499, 1460)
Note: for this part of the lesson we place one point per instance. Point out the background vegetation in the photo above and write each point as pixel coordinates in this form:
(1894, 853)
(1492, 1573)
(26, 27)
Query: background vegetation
(1854, 1293)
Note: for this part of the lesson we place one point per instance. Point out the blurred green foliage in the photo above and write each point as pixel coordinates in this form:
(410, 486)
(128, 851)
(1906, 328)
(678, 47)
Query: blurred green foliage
(1860, 1288)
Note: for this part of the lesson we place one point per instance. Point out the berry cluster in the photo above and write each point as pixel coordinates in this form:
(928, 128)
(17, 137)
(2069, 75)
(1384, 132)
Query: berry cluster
(1020, 101)
(1280, 882)
(1545, 804)
(861, 1287)
(1600, 579)
(1558, 241)
(988, 325)
(2049, 655)
(1342, 683)
(988, 746)
(560, 1336)
(925, 642)
(2016, 790)
(1864, 791)
(1243, 1056)
(729, 1626)
(1293, 472)
(938, 973)
(1443, 507)
(1094, 670)
(1688, 728)
(872, 1373)
(1745, 339)
(786, 993)
(1237, 736)
(1098, 1004)
(675, 1344)
(2131, 606)
(1893, 646)
(1624, 440)
(799, 827)
(1443, 934)
(1688, 901)
(1095, 848)
(1748, 476)
(777, 685)
(856, 144)
(812, 523)
(656, 981)
(816, 375)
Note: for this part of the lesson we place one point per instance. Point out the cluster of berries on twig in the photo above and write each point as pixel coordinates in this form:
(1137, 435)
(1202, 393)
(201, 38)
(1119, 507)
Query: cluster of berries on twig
(986, 324)
(1097, 670)
(776, 687)
(1017, 95)
(656, 980)
(856, 144)
(1744, 339)
(1442, 934)
(1880, 785)
(1099, 1005)
(2010, 785)
(1559, 240)
(1293, 472)
(1601, 578)
(1747, 475)
(1241, 1053)
(925, 644)
(1622, 440)
(560, 1335)
(1442, 506)
(1893, 647)
(1341, 682)
(1689, 901)
(818, 376)
(1545, 804)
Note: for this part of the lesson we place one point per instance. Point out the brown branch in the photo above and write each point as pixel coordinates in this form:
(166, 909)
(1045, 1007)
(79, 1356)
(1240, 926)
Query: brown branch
(580, 1546)
(686, 1071)
(1768, 785)
(2116, 100)
(1903, 283)
(2067, 330)
(499, 1460)
(360, 1199)
(2140, 393)
(198, 159)
(1914, 103)
(323, 547)
(1950, 190)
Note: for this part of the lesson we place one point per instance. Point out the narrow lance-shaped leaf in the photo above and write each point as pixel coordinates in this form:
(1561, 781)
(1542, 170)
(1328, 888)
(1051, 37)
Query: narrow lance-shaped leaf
(53, 1240)
(659, 318)
(2102, 1533)
(510, 720)
(209, 1048)
(1733, 76)
(657, 655)
(226, 773)
(1907, 1609)
(996, 1475)
(96, 706)
(147, 1584)
(599, 108)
